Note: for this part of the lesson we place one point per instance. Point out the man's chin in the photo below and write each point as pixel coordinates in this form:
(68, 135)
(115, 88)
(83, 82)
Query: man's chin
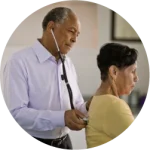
(64, 52)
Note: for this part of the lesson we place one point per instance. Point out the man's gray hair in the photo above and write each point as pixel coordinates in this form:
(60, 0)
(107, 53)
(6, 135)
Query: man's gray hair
(58, 15)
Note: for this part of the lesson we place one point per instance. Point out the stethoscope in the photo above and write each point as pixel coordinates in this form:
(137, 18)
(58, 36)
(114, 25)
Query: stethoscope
(64, 76)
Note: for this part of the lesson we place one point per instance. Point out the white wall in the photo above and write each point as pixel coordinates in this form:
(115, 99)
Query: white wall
(31, 27)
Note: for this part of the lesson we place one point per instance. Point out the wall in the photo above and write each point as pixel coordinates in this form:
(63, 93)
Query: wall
(31, 27)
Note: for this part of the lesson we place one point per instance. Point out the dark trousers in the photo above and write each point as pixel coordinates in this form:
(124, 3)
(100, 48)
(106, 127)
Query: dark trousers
(66, 145)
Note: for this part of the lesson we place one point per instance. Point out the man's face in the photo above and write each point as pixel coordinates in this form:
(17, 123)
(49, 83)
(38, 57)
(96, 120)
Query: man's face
(66, 33)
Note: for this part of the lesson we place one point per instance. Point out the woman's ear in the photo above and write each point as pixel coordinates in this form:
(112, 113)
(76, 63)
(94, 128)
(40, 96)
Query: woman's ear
(113, 71)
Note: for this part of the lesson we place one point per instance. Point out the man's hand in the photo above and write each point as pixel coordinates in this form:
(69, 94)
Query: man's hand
(73, 119)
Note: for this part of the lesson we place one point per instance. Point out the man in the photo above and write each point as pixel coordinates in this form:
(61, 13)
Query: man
(34, 91)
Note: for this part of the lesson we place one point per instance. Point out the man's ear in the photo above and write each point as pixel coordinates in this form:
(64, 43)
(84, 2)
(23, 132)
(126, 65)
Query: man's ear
(50, 25)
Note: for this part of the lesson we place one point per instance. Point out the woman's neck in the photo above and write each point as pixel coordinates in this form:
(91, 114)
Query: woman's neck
(105, 88)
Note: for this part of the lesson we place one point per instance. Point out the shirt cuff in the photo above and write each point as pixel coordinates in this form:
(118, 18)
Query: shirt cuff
(84, 110)
(58, 119)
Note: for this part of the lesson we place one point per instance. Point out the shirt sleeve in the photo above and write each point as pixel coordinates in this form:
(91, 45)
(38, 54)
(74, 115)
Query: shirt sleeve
(117, 119)
(80, 105)
(17, 100)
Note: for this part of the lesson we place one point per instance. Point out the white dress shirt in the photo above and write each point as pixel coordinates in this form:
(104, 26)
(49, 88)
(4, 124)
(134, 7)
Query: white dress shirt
(36, 95)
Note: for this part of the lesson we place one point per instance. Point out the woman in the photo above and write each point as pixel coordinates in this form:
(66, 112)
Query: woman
(109, 115)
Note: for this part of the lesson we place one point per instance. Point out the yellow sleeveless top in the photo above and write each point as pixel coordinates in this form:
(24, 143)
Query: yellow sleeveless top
(109, 116)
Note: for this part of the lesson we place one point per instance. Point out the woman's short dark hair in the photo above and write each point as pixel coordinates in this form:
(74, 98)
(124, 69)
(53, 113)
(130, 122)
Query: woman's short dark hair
(115, 54)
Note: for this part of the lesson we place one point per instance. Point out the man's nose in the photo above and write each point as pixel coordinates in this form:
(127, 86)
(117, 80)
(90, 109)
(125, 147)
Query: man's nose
(74, 39)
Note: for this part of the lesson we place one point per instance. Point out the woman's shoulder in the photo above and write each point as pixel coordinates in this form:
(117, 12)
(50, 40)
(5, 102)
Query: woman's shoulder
(106, 97)
(113, 101)
(99, 101)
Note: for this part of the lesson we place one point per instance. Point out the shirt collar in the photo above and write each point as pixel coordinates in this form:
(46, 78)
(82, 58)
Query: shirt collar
(41, 52)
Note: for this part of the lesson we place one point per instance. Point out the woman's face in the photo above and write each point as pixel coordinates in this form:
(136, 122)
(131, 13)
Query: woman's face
(126, 79)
